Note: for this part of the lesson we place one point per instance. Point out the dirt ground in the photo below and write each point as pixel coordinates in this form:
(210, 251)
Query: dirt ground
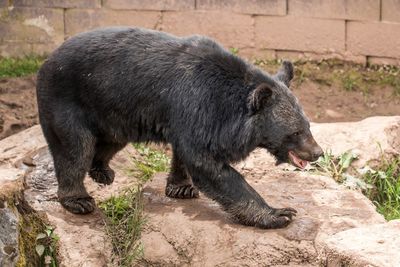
(18, 109)
(322, 102)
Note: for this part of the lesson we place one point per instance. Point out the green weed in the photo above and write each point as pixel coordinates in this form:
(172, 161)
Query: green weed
(333, 166)
(350, 83)
(152, 161)
(234, 50)
(46, 243)
(124, 224)
(124, 213)
(385, 187)
(17, 67)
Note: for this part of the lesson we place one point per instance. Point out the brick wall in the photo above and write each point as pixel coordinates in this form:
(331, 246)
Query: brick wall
(359, 30)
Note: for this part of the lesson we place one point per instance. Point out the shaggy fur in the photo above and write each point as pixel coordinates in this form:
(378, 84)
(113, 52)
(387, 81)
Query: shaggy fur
(105, 88)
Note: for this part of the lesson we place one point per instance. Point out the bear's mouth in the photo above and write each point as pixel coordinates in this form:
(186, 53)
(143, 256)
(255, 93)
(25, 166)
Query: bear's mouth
(296, 160)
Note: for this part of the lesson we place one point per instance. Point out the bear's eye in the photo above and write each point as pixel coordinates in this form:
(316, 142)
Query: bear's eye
(296, 134)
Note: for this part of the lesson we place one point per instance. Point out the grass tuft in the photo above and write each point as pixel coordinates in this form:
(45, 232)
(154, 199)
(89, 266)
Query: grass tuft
(385, 187)
(124, 225)
(17, 67)
(124, 213)
(151, 162)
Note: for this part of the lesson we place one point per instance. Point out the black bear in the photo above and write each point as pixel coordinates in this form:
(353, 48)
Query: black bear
(105, 88)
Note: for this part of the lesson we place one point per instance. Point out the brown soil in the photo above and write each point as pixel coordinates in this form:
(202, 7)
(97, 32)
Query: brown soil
(18, 109)
(321, 102)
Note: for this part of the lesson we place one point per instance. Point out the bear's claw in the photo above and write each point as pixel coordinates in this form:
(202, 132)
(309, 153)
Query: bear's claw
(181, 191)
(277, 218)
(287, 212)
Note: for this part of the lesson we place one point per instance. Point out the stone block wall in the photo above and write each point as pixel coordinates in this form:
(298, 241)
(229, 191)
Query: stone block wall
(364, 31)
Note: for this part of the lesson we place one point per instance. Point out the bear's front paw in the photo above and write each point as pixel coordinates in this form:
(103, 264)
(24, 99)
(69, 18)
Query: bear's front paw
(181, 191)
(277, 218)
(102, 175)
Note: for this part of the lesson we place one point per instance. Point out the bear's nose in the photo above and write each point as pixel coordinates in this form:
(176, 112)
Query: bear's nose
(318, 152)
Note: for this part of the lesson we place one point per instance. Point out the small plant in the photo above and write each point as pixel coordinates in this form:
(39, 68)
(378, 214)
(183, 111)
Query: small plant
(234, 50)
(124, 224)
(335, 167)
(46, 247)
(152, 161)
(350, 81)
(385, 186)
(17, 67)
(125, 212)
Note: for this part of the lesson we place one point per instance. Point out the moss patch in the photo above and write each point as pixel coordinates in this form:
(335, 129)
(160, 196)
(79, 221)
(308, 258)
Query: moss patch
(29, 226)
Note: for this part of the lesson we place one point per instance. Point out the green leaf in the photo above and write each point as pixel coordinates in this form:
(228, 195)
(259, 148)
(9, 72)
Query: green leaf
(49, 231)
(40, 250)
(55, 237)
(41, 236)
(346, 159)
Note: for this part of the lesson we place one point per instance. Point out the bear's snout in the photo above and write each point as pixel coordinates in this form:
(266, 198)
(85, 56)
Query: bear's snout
(309, 150)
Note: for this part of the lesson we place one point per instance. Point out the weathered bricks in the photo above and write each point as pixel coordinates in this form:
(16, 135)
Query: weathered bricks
(232, 30)
(59, 3)
(21, 28)
(336, 9)
(354, 30)
(383, 61)
(271, 7)
(374, 39)
(151, 4)
(300, 34)
(32, 25)
(78, 20)
(391, 10)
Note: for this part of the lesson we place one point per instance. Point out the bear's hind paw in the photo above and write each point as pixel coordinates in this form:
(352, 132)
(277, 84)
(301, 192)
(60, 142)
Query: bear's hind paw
(102, 175)
(78, 205)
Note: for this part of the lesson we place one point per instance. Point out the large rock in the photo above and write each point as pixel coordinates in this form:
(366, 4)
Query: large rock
(26, 166)
(369, 138)
(197, 232)
(374, 245)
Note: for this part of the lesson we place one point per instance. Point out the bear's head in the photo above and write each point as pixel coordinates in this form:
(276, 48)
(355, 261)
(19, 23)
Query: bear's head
(280, 123)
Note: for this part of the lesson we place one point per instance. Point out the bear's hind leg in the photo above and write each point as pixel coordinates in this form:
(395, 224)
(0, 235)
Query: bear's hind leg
(179, 183)
(72, 148)
(100, 170)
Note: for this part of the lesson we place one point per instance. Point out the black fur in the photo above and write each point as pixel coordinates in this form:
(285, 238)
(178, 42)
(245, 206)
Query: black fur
(105, 88)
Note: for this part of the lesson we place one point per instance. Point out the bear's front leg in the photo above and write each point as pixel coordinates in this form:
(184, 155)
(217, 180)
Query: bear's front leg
(225, 185)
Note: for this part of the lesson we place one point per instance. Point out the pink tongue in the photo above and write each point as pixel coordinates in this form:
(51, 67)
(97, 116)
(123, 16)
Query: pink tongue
(295, 160)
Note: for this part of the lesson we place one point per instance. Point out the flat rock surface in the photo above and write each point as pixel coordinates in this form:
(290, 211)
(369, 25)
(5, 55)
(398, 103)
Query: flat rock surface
(373, 245)
(196, 232)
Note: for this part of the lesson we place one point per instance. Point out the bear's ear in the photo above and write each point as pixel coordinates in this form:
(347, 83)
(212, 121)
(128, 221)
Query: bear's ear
(260, 97)
(285, 73)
